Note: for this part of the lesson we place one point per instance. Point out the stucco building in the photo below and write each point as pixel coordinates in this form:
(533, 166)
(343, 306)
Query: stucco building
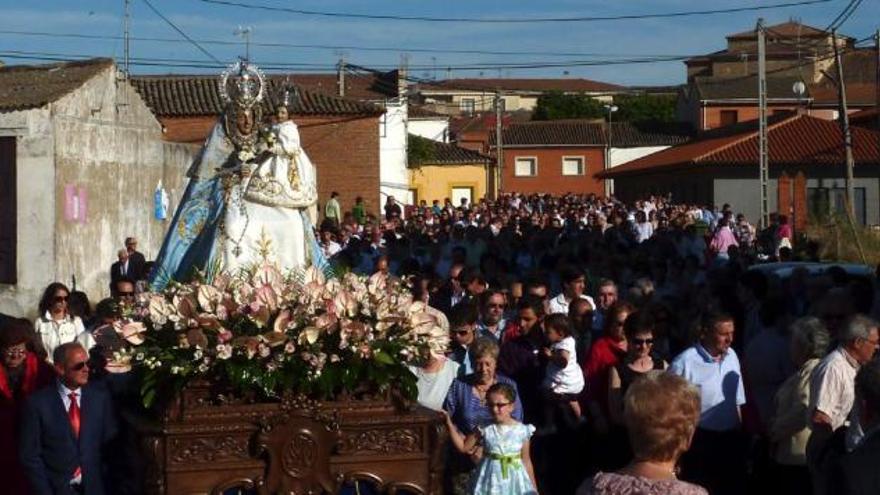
(447, 171)
(80, 158)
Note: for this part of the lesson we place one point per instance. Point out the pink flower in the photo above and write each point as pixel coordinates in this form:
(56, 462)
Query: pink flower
(133, 332)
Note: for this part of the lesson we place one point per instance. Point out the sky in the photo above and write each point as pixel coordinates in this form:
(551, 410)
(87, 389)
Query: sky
(523, 43)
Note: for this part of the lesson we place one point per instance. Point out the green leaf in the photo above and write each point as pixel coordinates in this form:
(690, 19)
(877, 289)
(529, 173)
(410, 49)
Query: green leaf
(383, 358)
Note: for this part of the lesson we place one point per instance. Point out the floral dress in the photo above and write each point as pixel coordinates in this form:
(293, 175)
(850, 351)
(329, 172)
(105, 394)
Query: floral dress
(501, 471)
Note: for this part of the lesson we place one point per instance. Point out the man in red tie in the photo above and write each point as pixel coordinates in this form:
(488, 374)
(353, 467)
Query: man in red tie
(65, 429)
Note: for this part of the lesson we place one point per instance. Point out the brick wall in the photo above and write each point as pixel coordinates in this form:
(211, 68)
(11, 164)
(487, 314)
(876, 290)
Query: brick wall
(549, 178)
(711, 116)
(345, 151)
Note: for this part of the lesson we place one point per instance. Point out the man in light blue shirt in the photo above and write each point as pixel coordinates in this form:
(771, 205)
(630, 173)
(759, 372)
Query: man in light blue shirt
(718, 452)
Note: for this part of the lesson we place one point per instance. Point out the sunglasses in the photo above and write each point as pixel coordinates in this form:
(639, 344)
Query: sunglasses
(59, 299)
(497, 405)
(125, 294)
(79, 366)
(643, 341)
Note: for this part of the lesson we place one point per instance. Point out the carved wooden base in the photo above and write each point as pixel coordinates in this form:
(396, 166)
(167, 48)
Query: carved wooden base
(292, 447)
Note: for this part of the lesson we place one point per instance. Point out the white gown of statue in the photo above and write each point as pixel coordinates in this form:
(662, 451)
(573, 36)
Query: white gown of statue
(270, 213)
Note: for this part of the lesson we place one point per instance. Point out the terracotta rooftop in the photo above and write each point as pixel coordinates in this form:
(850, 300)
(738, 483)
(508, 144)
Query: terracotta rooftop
(191, 95)
(31, 86)
(449, 154)
(525, 85)
(585, 132)
(570, 132)
(794, 140)
(792, 29)
(371, 87)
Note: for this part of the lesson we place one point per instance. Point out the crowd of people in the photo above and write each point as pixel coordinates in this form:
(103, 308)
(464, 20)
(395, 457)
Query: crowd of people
(596, 347)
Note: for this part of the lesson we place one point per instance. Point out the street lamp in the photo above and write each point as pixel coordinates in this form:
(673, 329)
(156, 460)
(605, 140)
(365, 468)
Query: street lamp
(609, 189)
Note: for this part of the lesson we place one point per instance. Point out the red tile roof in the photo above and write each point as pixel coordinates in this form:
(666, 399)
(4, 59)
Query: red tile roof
(31, 86)
(573, 132)
(586, 132)
(528, 85)
(795, 140)
(372, 87)
(191, 95)
(448, 154)
(791, 29)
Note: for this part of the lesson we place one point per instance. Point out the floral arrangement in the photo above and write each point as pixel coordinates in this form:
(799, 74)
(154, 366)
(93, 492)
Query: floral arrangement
(264, 333)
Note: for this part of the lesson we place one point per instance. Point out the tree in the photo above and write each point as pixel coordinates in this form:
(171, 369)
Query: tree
(645, 108)
(556, 105)
(419, 150)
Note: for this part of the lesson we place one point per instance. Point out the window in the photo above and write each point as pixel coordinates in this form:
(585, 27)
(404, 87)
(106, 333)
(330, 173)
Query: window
(468, 106)
(825, 201)
(572, 165)
(8, 212)
(729, 117)
(526, 167)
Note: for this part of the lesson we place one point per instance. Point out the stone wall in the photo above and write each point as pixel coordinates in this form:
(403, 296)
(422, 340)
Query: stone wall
(101, 145)
(35, 179)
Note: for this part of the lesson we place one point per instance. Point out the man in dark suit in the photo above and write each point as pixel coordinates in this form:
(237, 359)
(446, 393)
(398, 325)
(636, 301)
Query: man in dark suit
(122, 268)
(856, 473)
(65, 428)
(136, 260)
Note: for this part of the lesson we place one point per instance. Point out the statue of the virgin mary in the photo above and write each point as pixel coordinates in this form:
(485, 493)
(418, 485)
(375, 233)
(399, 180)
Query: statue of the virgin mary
(252, 193)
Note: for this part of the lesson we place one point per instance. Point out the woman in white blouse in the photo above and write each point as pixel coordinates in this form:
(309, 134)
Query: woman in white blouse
(55, 325)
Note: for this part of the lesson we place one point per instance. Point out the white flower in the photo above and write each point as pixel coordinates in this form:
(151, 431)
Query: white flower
(197, 355)
(289, 347)
(224, 351)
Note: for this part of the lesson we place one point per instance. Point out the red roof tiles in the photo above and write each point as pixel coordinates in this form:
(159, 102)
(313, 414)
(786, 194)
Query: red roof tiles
(796, 140)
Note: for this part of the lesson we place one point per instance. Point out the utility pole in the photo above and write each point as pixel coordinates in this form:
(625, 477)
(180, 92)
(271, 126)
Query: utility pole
(844, 126)
(499, 146)
(341, 76)
(877, 82)
(126, 27)
(763, 165)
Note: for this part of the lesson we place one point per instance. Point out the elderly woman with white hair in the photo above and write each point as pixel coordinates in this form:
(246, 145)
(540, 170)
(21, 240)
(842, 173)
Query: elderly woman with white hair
(788, 428)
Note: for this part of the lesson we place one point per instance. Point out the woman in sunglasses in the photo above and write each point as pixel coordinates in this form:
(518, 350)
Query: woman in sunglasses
(55, 325)
(21, 372)
(639, 360)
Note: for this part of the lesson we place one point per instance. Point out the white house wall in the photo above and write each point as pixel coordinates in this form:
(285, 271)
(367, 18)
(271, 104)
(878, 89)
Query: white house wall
(619, 156)
(393, 174)
(433, 129)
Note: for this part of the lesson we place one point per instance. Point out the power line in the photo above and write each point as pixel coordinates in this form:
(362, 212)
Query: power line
(326, 47)
(180, 32)
(388, 17)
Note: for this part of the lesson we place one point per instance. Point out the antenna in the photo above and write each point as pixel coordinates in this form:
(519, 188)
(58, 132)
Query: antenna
(126, 28)
(245, 33)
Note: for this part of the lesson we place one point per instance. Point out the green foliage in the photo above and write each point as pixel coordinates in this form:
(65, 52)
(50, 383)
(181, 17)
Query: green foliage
(420, 150)
(645, 108)
(630, 108)
(555, 105)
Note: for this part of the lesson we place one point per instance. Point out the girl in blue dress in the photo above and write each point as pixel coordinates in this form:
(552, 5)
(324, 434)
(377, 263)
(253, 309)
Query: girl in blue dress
(503, 448)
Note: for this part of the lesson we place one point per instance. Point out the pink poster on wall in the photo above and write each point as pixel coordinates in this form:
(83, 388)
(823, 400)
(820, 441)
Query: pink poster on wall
(82, 196)
(75, 203)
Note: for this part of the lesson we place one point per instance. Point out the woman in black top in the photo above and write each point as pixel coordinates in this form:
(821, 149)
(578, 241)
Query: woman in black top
(640, 359)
